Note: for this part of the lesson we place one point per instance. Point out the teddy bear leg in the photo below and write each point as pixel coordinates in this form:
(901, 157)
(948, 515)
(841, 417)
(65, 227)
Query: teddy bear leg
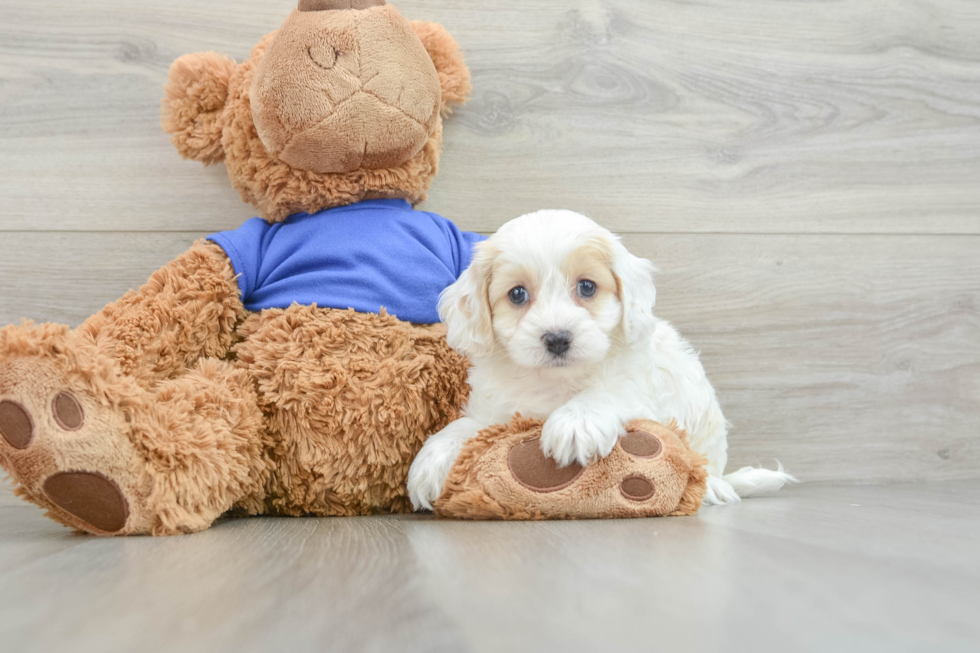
(350, 398)
(107, 457)
(206, 449)
(186, 310)
(504, 474)
(70, 400)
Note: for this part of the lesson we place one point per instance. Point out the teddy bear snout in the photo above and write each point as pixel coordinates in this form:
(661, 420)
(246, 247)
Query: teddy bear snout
(354, 107)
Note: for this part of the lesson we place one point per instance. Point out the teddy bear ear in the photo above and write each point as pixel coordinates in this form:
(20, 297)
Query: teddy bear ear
(454, 76)
(194, 100)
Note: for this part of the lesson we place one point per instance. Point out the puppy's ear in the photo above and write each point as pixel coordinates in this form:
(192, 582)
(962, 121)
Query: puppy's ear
(637, 292)
(464, 307)
(196, 93)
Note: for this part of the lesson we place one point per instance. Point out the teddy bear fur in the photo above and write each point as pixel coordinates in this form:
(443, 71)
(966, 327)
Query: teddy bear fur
(175, 405)
(652, 472)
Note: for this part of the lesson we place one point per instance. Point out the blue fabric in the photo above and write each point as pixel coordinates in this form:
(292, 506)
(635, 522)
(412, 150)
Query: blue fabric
(365, 256)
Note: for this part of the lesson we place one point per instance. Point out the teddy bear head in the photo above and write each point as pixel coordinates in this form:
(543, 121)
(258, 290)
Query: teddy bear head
(344, 102)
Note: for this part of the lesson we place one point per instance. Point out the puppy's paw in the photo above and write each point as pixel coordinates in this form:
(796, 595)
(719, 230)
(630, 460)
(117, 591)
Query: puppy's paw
(579, 433)
(720, 492)
(429, 471)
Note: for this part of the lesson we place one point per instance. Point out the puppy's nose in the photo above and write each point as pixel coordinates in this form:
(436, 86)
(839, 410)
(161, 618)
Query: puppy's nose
(557, 342)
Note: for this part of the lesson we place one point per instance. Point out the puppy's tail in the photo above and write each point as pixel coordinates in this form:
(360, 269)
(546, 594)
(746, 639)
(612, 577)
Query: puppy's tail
(753, 481)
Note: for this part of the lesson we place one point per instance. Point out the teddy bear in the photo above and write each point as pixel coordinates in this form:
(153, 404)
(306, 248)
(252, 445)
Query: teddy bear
(240, 378)
(295, 366)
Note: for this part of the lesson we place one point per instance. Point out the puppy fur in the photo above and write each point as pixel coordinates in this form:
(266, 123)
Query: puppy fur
(557, 319)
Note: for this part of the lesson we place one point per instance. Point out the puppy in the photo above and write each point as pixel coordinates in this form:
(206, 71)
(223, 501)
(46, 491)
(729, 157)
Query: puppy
(557, 319)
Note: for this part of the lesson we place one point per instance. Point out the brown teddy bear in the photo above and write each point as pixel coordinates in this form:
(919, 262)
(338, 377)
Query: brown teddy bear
(183, 401)
(227, 383)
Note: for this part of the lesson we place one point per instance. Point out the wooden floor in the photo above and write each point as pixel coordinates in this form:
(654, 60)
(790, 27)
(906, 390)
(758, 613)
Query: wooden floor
(806, 175)
(875, 568)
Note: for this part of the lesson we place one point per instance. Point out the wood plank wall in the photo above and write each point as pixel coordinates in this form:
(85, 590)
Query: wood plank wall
(805, 174)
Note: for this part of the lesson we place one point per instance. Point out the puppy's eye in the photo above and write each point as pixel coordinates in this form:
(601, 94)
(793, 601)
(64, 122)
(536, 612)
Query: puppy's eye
(518, 296)
(587, 288)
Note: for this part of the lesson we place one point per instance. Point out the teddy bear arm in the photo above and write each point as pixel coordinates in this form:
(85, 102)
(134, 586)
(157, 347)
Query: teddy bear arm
(454, 76)
(504, 474)
(187, 310)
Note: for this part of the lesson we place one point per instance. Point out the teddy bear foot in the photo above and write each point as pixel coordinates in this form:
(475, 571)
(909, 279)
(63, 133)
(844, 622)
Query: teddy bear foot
(66, 452)
(503, 474)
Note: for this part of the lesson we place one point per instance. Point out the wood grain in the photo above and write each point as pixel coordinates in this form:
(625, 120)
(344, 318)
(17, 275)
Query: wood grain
(65, 277)
(886, 568)
(848, 358)
(7, 497)
(805, 174)
(830, 116)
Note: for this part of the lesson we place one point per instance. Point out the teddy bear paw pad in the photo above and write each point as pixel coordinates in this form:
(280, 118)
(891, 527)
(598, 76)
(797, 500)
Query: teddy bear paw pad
(641, 444)
(16, 424)
(68, 452)
(68, 412)
(90, 497)
(637, 488)
(538, 473)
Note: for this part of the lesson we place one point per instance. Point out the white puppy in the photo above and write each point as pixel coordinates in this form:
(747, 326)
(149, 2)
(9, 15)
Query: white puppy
(557, 319)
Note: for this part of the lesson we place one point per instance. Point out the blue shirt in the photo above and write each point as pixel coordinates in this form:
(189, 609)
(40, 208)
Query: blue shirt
(365, 256)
